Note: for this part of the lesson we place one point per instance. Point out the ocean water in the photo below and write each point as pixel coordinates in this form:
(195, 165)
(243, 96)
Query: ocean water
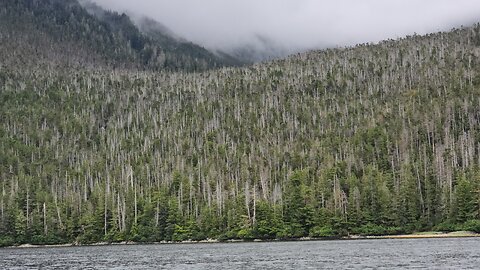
(452, 253)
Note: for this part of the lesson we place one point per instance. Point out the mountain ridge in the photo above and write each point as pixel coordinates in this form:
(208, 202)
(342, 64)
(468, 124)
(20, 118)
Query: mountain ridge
(113, 38)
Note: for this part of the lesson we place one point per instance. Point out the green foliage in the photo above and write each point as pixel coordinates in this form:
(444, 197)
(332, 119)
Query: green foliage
(245, 233)
(322, 231)
(373, 229)
(20, 228)
(465, 204)
(181, 234)
(6, 241)
(446, 226)
(375, 139)
(91, 229)
(472, 225)
(296, 214)
(100, 37)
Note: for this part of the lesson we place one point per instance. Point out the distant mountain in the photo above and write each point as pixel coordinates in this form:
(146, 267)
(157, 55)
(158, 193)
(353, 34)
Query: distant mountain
(169, 40)
(260, 48)
(160, 35)
(67, 32)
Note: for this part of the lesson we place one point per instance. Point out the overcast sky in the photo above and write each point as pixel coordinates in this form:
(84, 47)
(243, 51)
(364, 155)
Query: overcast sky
(301, 24)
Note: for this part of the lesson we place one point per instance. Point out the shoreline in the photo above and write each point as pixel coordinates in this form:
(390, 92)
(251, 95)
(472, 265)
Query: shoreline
(423, 235)
(420, 235)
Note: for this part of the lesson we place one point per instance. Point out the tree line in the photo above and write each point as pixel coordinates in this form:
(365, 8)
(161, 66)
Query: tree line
(372, 139)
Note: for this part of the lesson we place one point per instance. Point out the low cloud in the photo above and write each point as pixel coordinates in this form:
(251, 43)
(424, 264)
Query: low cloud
(296, 25)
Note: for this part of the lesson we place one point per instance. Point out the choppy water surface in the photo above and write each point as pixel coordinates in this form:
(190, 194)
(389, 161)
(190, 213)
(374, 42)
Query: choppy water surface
(359, 254)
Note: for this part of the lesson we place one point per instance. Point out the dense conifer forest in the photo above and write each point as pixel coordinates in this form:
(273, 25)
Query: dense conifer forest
(64, 32)
(370, 140)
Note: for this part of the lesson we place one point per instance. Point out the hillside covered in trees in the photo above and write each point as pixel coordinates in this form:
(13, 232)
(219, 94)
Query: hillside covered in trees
(80, 34)
(373, 139)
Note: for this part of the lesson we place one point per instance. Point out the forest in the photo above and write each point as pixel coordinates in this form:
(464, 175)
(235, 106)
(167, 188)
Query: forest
(374, 139)
(79, 33)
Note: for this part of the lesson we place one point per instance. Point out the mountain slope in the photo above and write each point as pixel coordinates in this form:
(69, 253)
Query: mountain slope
(375, 139)
(64, 32)
(259, 49)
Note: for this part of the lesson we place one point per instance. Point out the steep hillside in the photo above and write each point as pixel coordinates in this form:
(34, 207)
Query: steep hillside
(63, 32)
(375, 139)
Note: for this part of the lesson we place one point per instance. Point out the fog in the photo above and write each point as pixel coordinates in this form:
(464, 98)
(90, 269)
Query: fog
(294, 25)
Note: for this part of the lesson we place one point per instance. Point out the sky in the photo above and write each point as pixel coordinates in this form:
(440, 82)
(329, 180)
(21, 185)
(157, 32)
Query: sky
(297, 25)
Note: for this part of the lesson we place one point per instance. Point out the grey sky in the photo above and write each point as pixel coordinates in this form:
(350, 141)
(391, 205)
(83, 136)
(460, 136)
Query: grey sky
(301, 24)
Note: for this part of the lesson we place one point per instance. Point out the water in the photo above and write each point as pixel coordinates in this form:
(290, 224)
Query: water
(359, 254)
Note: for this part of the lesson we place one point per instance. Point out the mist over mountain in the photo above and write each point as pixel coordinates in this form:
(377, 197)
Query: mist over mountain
(82, 34)
(291, 26)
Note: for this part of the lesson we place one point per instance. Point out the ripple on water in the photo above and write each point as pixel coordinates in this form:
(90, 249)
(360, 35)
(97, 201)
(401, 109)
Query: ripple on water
(359, 254)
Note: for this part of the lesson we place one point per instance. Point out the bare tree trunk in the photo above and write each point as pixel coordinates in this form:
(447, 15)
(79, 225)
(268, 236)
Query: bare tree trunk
(28, 207)
(105, 215)
(247, 200)
(157, 214)
(1, 211)
(420, 193)
(124, 210)
(254, 204)
(58, 213)
(135, 190)
(45, 229)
